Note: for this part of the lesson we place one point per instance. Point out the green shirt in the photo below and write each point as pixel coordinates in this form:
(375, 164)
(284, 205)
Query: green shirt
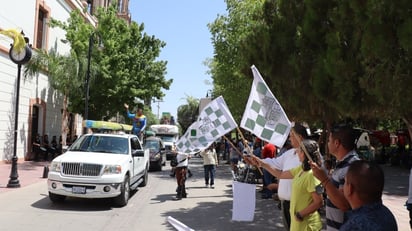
(303, 185)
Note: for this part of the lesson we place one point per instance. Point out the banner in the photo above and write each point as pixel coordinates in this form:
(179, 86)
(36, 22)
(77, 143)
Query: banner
(244, 201)
(263, 115)
(214, 121)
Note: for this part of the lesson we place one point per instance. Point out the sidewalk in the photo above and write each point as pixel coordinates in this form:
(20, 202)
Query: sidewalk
(395, 193)
(29, 172)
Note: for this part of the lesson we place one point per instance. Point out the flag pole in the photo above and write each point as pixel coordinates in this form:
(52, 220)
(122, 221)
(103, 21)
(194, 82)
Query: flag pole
(248, 148)
(233, 146)
(302, 146)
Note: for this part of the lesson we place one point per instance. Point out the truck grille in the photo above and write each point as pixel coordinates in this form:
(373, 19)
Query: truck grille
(81, 169)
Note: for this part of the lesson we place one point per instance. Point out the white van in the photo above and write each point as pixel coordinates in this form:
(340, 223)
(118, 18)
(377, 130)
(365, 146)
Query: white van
(169, 134)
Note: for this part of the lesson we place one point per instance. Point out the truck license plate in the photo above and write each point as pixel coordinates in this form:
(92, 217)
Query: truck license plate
(79, 190)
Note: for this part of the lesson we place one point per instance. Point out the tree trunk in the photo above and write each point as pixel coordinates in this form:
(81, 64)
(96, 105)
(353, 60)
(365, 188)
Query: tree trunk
(408, 122)
(64, 121)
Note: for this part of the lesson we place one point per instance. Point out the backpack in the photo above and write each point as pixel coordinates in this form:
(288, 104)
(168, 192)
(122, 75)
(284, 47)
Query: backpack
(174, 162)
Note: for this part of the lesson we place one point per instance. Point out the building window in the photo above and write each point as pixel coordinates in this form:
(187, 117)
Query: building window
(41, 29)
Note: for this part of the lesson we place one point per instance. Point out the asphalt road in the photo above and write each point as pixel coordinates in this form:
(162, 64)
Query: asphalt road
(29, 208)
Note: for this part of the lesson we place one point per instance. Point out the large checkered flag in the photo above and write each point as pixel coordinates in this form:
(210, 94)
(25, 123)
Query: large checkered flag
(214, 121)
(264, 116)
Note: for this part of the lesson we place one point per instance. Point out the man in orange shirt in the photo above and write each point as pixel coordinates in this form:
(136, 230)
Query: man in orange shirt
(269, 151)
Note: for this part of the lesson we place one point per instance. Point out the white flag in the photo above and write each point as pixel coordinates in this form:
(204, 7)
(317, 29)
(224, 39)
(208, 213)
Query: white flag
(263, 115)
(214, 121)
(244, 201)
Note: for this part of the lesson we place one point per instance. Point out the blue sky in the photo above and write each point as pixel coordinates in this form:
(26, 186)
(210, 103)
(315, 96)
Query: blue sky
(182, 24)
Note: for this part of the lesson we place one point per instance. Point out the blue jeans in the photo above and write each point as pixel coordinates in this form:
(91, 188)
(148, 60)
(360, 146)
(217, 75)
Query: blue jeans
(267, 179)
(209, 174)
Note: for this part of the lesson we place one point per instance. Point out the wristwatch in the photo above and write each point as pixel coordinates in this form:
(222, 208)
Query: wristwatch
(298, 216)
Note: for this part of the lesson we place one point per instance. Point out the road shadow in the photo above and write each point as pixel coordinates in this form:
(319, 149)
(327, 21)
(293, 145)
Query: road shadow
(77, 204)
(396, 180)
(217, 216)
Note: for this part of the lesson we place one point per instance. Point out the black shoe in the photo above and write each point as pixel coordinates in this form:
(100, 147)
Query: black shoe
(190, 174)
(177, 198)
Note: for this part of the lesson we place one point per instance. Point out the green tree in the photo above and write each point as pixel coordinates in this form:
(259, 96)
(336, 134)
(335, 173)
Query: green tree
(63, 77)
(127, 66)
(324, 60)
(123, 69)
(188, 113)
(230, 70)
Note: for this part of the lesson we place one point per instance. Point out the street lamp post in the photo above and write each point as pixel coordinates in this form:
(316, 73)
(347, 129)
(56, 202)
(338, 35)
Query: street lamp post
(158, 106)
(87, 83)
(18, 57)
(14, 176)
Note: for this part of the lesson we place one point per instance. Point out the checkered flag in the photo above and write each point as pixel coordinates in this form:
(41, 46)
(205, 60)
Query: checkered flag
(263, 115)
(214, 121)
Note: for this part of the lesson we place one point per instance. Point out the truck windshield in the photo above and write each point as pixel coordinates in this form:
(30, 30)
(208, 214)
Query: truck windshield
(103, 144)
(167, 138)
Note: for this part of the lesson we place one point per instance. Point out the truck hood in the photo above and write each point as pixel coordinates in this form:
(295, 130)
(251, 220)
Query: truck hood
(92, 157)
(168, 143)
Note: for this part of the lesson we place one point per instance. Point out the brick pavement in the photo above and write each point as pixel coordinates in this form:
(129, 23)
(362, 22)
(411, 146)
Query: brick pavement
(29, 172)
(394, 196)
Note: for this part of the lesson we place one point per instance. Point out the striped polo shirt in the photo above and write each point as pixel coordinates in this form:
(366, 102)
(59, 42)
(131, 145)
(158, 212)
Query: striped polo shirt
(334, 216)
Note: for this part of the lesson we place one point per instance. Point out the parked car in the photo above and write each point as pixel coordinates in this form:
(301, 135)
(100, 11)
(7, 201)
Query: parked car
(99, 166)
(157, 152)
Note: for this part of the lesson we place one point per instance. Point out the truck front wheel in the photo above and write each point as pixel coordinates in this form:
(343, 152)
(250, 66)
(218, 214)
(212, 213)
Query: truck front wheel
(123, 198)
(55, 198)
(145, 178)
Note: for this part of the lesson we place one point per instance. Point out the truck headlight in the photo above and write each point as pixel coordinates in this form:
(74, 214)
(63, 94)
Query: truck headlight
(55, 166)
(112, 169)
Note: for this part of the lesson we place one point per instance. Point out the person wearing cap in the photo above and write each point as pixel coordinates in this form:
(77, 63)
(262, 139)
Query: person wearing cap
(139, 121)
(306, 195)
(210, 162)
(180, 172)
(286, 161)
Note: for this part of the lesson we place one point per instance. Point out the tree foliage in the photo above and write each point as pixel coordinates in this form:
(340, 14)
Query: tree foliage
(63, 77)
(187, 113)
(324, 60)
(125, 68)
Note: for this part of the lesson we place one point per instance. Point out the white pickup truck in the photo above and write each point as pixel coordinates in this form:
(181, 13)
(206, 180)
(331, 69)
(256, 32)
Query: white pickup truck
(99, 166)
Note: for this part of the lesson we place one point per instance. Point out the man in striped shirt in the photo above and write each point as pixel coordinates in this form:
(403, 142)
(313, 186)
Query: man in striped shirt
(341, 144)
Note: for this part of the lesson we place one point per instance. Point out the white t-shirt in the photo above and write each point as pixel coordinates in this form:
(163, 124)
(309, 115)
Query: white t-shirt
(182, 156)
(286, 161)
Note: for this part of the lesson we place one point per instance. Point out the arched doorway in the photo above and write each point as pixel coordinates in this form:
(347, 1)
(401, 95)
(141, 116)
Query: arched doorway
(36, 120)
